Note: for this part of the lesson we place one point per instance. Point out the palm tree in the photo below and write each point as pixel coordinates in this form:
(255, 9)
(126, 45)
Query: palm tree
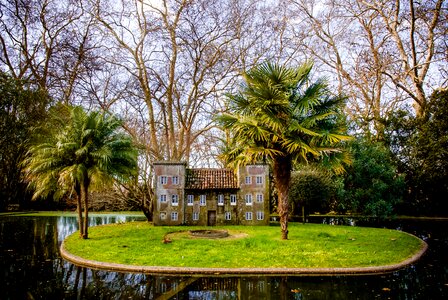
(86, 151)
(281, 117)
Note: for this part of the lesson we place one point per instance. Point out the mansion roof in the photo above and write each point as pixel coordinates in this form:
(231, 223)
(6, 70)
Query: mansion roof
(207, 179)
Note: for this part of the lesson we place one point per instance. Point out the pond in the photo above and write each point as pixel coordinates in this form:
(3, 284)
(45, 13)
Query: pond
(31, 268)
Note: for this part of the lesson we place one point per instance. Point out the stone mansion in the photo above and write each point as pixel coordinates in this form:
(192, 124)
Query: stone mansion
(211, 197)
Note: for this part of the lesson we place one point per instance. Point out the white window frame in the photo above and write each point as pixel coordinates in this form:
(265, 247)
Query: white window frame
(163, 179)
(175, 200)
(260, 198)
(259, 180)
(260, 215)
(202, 200)
(163, 287)
(190, 200)
(195, 216)
(248, 180)
(248, 199)
(175, 180)
(228, 216)
(233, 199)
(162, 198)
(249, 216)
(174, 216)
(221, 200)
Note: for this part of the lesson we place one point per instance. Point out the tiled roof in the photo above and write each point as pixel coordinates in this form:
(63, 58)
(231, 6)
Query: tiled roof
(210, 179)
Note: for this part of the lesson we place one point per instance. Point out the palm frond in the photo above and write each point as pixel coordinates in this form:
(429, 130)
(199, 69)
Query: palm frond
(87, 150)
(279, 113)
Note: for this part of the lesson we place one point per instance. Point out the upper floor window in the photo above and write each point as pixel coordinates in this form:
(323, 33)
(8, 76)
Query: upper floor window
(190, 199)
(233, 199)
(174, 200)
(259, 198)
(202, 200)
(260, 215)
(259, 180)
(248, 180)
(220, 199)
(227, 215)
(163, 180)
(248, 199)
(174, 216)
(163, 198)
(248, 216)
(175, 179)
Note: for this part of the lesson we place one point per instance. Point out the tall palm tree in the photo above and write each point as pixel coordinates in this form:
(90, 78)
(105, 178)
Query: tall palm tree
(281, 117)
(87, 151)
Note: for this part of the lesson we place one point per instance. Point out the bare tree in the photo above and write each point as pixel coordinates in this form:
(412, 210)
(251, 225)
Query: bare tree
(179, 58)
(413, 28)
(372, 55)
(48, 43)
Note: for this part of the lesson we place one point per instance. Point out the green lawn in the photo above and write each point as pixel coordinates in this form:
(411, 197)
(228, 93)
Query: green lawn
(309, 246)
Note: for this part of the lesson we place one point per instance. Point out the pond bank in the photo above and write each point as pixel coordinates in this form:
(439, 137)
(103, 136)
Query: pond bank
(312, 250)
(239, 271)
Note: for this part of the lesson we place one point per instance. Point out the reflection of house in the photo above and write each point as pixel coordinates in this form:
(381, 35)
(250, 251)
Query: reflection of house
(211, 196)
(213, 287)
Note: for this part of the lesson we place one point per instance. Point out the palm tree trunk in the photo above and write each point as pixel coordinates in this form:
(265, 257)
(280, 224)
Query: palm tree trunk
(85, 200)
(282, 177)
(79, 209)
(80, 222)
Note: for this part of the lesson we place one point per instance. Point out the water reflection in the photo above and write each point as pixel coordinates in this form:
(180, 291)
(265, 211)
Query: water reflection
(31, 268)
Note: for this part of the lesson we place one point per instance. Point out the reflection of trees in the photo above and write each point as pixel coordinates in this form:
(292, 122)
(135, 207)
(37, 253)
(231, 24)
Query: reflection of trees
(31, 267)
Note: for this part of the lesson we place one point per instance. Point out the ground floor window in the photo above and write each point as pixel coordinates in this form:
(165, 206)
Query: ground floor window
(227, 215)
(163, 215)
(248, 216)
(260, 215)
(174, 216)
(195, 216)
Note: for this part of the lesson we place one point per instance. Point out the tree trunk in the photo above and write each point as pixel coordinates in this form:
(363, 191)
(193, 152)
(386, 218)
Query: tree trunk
(282, 177)
(79, 208)
(85, 200)
(303, 214)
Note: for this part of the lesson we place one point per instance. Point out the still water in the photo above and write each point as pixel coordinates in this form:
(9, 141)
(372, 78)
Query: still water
(31, 268)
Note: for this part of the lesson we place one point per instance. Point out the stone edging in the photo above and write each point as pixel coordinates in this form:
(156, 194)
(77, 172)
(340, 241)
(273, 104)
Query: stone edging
(239, 271)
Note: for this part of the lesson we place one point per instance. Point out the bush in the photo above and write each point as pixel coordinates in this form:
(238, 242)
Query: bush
(372, 186)
(312, 188)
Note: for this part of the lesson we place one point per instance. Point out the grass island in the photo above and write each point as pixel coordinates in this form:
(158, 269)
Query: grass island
(311, 249)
